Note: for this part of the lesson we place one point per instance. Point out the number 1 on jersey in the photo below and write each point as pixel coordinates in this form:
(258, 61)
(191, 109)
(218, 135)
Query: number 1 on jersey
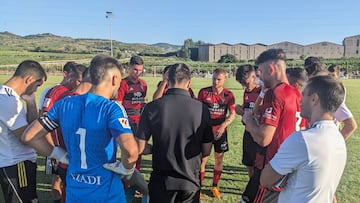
(82, 133)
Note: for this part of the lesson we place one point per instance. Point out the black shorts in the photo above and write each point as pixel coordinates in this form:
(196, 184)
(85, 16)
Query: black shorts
(250, 148)
(159, 193)
(18, 182)
(221, 145)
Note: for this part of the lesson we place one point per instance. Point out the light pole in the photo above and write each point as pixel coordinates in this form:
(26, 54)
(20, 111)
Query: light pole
(109, 15)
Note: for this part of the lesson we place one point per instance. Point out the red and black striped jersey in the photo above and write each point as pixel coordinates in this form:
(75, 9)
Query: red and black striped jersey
(133, 97)
(250, 98)
(218, 103)
(52, 96)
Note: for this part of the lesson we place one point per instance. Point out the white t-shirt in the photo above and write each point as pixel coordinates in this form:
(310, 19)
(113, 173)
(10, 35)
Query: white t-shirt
(12, 117)
(342, 113)
(314, 159)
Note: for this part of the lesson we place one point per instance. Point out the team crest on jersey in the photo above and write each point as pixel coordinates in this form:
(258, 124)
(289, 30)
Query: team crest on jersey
(124, 123)
(137, 94)
(247, 98)
(46, 102)
(131, 89)
(268, 110)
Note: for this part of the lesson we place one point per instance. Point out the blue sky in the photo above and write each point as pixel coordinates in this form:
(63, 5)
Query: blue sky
(145, 21)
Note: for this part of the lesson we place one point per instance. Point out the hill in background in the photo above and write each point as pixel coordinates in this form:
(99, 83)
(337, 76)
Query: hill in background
(48, 42)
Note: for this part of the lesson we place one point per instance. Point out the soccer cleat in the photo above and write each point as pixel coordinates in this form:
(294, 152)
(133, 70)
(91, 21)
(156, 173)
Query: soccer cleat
(215, 191)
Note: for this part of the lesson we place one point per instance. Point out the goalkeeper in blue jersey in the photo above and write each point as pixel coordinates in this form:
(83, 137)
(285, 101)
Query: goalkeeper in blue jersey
(93, 126)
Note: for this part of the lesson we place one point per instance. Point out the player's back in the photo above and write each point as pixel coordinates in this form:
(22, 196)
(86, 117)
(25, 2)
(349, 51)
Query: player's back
(85, 121)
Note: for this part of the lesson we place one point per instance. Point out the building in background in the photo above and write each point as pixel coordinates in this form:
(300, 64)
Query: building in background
(292, 50)
(325, 50)
(352, 46)
(244, 52)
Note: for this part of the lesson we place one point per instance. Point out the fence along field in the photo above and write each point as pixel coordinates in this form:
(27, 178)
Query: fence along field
(234, 177)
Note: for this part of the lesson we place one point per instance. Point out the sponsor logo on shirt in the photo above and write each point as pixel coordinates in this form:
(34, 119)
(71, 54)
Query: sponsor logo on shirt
(46, 102)
(268, 114)
(91, 180)
(124, 123)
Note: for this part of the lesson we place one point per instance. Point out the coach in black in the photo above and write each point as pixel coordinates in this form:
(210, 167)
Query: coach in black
(181, 134)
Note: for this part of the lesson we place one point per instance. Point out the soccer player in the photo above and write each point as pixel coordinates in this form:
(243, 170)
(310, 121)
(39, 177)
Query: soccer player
(246, 76)
(92, 126)
(180, 138)
(280, 117)
(18, 161)
(132, 95)
(343, 114)
(132, 91)
(313, 172)
(220, 102)
(72, 77)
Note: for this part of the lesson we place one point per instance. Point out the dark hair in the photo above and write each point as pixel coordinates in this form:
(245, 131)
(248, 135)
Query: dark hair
(219, 71)
(79, 69)
(330, 91)
(334, 68)
(30, 68)
(74, 68)
(315, 67)
(178, 73)
(243, 72)
(69, 66)
(271, 54)
(86, 76)
(136, 60)
(99, 66)
(166, 69)
(296, 74)
(310, 60)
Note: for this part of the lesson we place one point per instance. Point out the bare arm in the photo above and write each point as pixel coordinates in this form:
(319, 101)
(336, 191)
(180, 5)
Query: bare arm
(34, 136)
(269, 176)
(31, 110)
(262, 134)
(160, 90)
(349, 127)
(219, 132)
(129, 150)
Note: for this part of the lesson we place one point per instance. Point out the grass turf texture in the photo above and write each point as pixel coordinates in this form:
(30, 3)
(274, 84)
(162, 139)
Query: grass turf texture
(234, 177)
